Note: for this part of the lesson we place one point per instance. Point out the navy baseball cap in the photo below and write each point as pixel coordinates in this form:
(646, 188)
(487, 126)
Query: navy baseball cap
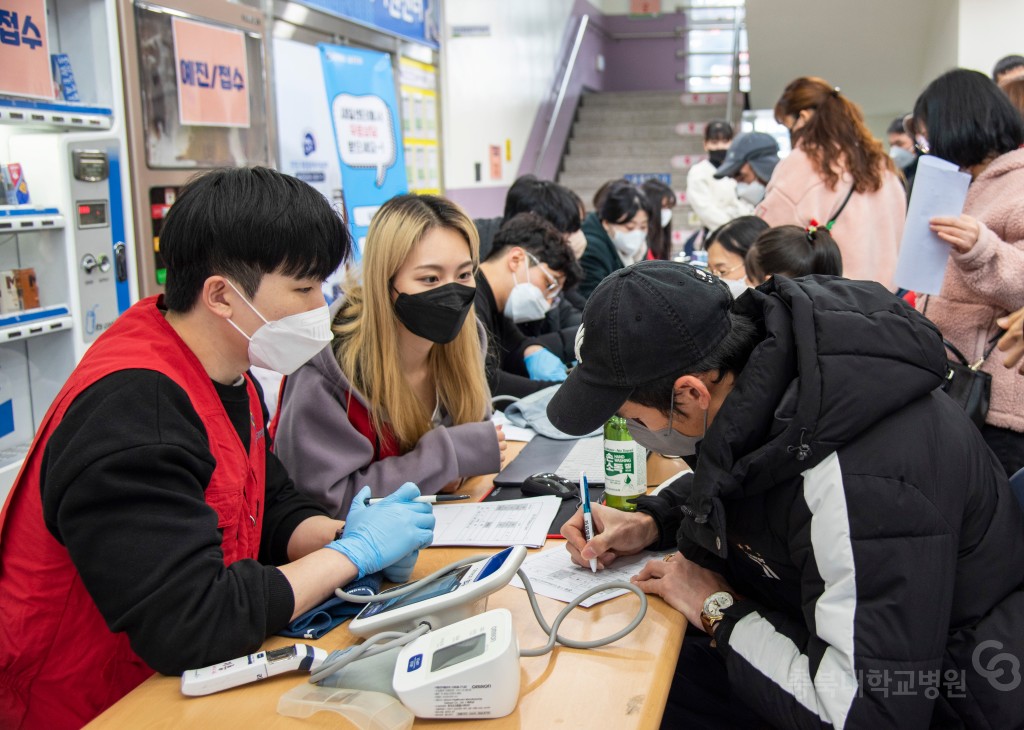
(759, 149)
(642, 323)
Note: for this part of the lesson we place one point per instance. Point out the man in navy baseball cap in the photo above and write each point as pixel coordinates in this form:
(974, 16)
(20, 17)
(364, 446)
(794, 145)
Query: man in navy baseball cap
(844, 515)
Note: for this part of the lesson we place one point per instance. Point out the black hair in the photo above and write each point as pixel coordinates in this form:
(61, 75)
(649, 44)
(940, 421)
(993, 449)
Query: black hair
(243, 223)
(896, 126)
(793, 251)
(622, 202)
(738, 235)
(602, 192)
(535, 235)
(968, 119)
(718, 130)
(1006, 63)
(659, 240)
(553, 202)
(730, 356)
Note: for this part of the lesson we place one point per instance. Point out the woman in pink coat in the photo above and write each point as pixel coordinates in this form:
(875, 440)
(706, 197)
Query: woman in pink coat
(837, 172)
(964, 118)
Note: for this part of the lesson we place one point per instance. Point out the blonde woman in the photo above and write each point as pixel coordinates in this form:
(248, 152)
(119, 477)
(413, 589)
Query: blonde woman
(400, 394)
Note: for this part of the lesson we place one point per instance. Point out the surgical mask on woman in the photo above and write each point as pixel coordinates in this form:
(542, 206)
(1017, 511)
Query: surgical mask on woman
(285, 344)
(436, 314)
(629, 243)
(901, 157)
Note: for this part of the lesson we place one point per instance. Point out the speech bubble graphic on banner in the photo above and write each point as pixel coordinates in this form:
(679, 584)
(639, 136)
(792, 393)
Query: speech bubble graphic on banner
(365, 134)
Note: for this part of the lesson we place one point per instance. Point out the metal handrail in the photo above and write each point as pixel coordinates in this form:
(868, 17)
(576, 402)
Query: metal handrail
(734, 82)
(563, 88)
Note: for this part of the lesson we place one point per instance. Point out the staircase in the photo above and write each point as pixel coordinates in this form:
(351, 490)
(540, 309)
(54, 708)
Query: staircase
(639, 132)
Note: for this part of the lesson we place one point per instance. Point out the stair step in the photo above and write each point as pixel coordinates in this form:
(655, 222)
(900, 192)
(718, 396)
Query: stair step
(690, 101)
(631, 148)
(615, 161)
(635, 132)
(582, 182)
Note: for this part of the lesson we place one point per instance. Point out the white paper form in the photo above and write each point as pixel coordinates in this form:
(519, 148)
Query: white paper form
(939, 190)
(553, 574)
(495, 524)
(587, 455)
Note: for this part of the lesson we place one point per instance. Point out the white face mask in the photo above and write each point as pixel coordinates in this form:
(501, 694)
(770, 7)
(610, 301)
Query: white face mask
(287, 343)
(526, 302)
(736, 286)
(629, 243)
(666, 216)
(901, 157)
(578, 243)
(753, 192)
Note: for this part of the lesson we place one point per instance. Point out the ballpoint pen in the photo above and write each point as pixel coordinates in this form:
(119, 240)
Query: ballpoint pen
(428, 499)
(588, 519)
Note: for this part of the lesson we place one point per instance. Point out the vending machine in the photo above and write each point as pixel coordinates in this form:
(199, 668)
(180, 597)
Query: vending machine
(67, 267)
(197, 97)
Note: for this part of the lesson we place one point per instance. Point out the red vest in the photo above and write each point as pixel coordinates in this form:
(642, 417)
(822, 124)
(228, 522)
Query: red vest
(60, 665)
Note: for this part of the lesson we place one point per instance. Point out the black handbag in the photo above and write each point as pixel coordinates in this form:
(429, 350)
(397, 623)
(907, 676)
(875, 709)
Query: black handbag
(967, 384)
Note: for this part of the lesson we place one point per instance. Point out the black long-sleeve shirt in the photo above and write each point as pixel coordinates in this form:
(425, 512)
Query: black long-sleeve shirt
(123, 480)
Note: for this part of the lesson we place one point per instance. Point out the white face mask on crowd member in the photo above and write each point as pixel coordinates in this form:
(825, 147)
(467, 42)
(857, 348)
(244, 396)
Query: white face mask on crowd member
(666, 216)
(629, 243)
(526, 302)
(752, 192)
(900, 156)
(736, 286)
(285, 344)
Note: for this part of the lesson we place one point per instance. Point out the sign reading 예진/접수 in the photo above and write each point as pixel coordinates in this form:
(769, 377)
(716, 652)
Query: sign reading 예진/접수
(364, 112)
(24, 51)
(210, 63)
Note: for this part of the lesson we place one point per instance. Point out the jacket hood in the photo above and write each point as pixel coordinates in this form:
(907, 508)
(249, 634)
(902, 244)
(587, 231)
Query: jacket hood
(835, 358)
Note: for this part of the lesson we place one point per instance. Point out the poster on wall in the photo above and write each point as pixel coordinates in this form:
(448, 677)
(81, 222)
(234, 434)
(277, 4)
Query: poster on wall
(418, 85)
(24, 51)
(211, 69)
(364, 112)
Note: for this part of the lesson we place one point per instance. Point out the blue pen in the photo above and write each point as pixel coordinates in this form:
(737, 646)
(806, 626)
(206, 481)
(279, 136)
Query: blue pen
(588, 519)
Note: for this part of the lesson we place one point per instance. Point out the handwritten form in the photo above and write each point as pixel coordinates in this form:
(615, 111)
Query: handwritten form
(553, 574)
(939, 190)
(495, 524)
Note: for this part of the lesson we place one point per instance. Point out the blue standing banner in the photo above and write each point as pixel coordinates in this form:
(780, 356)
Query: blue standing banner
(364, 112)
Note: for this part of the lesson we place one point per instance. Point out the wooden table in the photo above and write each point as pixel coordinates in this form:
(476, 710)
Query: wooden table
(623, 685)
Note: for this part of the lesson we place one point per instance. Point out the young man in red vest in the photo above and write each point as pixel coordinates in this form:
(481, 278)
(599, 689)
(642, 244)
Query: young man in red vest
(151, 527)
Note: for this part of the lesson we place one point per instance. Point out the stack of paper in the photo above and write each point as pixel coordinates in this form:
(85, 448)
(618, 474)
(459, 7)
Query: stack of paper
(553, 574)
(495, 524)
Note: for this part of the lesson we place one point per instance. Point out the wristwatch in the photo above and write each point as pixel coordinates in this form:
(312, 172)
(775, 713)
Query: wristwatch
(713, 607)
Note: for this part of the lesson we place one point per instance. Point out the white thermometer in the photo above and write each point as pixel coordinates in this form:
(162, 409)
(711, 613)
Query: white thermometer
(246, 669)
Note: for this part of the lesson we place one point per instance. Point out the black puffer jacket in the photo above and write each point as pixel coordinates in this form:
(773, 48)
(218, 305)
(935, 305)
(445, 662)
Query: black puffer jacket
(871, 532)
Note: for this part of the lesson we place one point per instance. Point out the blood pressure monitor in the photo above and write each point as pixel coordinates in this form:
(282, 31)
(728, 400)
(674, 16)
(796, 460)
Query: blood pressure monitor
(453, 596)
(466, 670)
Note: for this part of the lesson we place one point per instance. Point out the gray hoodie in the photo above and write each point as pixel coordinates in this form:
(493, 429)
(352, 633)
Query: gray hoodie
(330, 461)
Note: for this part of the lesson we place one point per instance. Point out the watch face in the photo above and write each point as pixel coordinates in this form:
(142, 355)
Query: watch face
(716, 602)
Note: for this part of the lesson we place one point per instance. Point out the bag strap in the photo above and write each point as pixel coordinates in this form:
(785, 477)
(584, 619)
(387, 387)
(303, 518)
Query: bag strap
(835, 216)
(956, 353)
(963, 360)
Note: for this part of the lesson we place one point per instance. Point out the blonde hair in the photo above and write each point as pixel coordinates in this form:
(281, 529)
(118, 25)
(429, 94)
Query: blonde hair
(367, 326)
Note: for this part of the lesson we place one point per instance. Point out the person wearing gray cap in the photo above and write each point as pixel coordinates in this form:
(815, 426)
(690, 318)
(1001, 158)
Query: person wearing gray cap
(845, 531)
(750, 161)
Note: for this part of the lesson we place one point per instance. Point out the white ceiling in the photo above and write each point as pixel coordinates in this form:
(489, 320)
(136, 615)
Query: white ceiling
(881, 53)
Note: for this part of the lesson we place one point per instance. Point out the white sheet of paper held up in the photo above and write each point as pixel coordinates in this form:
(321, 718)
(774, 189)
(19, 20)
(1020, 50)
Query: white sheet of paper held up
(939, 190)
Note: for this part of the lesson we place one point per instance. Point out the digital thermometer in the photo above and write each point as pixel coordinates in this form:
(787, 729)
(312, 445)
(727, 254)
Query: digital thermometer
(236, 672)
(466, 670)
(453, 596)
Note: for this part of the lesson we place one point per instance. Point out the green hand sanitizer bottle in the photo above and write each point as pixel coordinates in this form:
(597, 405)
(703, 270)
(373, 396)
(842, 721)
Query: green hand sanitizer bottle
(625, 466)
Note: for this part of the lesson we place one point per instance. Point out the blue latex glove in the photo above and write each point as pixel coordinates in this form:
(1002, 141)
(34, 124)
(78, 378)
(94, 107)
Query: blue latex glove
(384, 534)
(401, 571)
(545, 365)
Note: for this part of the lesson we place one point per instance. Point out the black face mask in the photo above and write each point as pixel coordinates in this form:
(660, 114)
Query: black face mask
(716, 157)
(437, 314)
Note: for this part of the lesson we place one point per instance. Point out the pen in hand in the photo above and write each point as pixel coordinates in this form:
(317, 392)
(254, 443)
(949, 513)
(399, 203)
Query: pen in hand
(588, 519)
(428, 499)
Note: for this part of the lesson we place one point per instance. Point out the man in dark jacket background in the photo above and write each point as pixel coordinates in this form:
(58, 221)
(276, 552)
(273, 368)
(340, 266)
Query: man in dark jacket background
(847, 539)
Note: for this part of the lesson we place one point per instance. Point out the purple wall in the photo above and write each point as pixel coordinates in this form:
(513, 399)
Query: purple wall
(642, 64)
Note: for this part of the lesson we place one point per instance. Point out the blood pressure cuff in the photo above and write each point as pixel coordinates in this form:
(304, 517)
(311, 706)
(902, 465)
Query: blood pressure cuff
(316, 622)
